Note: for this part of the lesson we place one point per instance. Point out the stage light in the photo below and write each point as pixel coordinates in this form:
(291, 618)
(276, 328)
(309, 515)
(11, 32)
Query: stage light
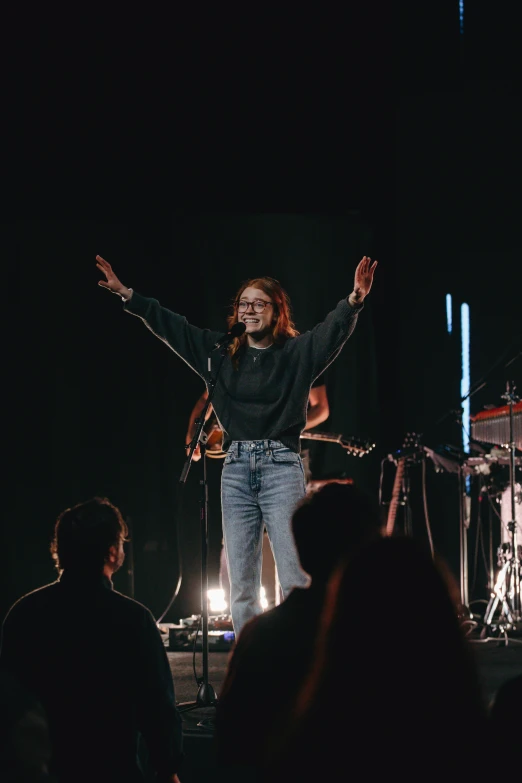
(218, 605)
(216, 601)
(449, 313)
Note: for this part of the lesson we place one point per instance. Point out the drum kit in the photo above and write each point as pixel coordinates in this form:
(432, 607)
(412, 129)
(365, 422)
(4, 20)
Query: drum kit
(502, 427)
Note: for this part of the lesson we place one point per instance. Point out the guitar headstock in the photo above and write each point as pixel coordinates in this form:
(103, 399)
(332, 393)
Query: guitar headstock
(356, 446)
(411, 447)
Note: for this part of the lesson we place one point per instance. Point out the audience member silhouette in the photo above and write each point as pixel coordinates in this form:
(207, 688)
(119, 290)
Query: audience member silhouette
(274, 650)
(94, 658)
(394, 689)
(25, 743)
(505, 717)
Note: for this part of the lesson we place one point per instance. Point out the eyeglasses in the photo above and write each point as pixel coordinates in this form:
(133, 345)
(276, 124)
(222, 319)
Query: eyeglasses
(258, 306)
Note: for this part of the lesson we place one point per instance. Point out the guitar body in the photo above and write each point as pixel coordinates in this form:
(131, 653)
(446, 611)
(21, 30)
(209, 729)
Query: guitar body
(214, 433)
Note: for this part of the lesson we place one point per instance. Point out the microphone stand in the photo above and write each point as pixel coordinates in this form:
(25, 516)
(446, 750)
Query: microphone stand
(206, 696)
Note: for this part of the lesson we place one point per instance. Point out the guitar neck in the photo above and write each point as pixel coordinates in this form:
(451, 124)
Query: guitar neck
(394, 502)
(352, 445)
(326, 436)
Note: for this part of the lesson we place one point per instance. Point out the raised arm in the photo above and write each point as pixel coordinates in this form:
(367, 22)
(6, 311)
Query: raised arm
(362, 281)
(322, 344)
(111, 282)
(189, 342)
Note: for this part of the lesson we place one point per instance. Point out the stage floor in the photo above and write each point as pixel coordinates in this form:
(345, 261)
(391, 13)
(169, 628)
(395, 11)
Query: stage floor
(497, 661)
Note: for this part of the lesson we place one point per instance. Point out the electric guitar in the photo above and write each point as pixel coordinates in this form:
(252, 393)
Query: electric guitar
(410, 450)
(352, 445)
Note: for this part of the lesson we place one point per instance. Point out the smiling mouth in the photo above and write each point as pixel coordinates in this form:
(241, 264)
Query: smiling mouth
(251, 320)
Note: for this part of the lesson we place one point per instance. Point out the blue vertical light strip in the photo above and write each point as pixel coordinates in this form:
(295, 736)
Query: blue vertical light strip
(461, 16)
(465, 380)
(449, 313)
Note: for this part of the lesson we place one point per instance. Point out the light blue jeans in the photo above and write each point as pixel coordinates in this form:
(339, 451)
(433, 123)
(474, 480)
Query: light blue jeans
(261, 484)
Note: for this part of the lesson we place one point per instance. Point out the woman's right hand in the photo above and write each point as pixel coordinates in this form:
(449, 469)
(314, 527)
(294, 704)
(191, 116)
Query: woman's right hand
(111, 282)
(196, 456)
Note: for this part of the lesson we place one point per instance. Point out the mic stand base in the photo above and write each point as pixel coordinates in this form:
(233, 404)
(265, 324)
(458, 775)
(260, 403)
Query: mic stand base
(206, 697)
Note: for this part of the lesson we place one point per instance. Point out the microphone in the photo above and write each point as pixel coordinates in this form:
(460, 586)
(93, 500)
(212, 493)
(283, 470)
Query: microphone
(236, 331)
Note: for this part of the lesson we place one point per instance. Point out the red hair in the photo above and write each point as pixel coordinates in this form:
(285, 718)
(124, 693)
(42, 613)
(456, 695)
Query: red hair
(282, 329)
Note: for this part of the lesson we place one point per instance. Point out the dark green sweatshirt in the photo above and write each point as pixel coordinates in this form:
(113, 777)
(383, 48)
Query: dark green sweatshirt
(266, 396)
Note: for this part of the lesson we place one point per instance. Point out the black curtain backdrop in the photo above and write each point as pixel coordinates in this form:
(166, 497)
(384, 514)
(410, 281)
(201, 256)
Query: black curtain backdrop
(458, 226)
(101, 405)
(94, 404)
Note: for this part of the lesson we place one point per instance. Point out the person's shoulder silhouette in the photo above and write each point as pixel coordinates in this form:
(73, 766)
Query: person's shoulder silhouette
(25, 742)
(392, 675)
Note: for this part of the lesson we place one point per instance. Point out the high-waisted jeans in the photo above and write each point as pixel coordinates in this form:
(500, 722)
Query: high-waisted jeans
(261, 484)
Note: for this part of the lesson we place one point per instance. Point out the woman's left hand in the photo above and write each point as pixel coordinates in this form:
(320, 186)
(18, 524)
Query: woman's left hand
(363, 279)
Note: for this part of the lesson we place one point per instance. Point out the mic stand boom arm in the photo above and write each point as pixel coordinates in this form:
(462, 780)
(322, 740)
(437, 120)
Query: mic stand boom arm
(199, 435)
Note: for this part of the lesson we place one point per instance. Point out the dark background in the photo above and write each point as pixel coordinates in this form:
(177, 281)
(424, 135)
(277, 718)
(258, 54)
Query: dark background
(192, 166)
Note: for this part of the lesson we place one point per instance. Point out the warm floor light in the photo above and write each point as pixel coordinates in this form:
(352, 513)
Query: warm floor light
(216, 601)
(218, 605)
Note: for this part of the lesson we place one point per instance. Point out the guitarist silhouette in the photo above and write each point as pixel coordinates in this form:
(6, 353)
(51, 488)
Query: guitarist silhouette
(318, 411)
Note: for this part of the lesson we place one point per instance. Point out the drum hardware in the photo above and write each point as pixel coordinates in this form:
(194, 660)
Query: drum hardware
(506, 592)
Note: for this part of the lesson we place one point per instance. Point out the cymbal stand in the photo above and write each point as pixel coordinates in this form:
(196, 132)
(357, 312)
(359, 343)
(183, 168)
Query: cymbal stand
(506, 591)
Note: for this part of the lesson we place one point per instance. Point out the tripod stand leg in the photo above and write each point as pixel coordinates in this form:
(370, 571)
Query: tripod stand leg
(515, 586)
(496, 596)
(513, 590)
